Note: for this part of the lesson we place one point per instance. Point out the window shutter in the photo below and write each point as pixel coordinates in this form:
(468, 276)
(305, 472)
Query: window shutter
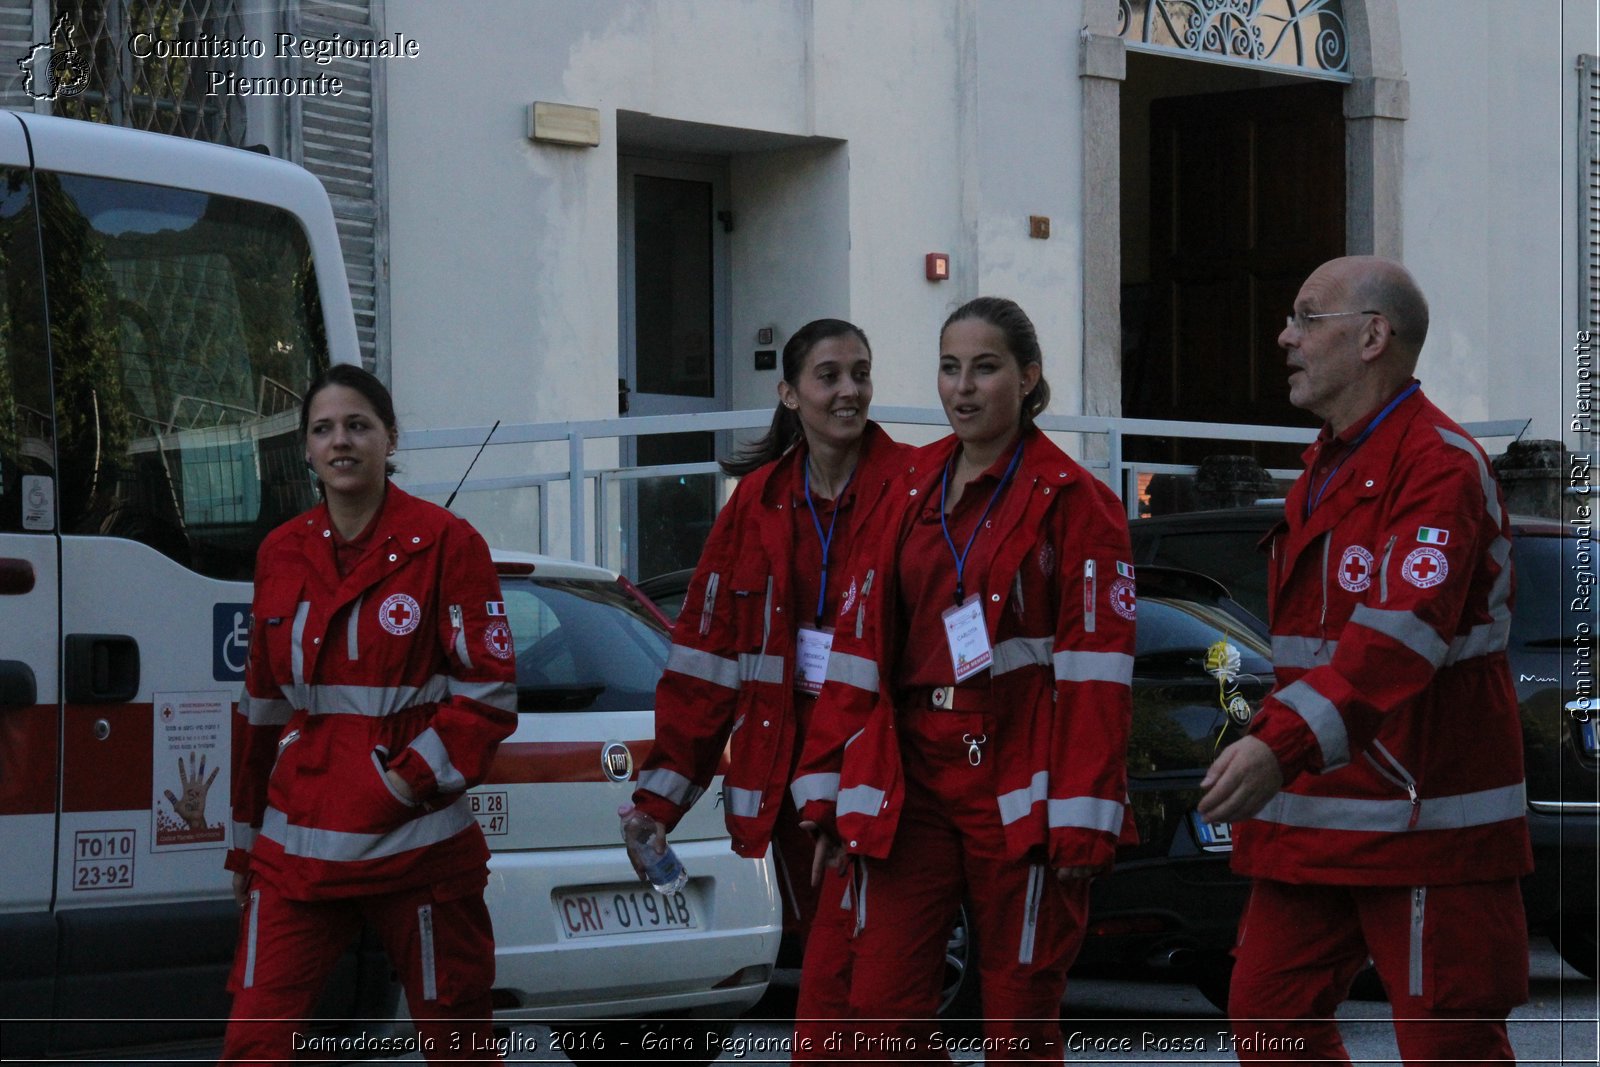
(1589, 193)
(17, 35)
(341, 140)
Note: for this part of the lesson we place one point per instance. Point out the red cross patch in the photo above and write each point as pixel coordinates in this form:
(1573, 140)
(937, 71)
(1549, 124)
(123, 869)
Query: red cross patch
(497, 638)
(1425, 567)
(399, 614)
(1123, 599)
(1355, 569)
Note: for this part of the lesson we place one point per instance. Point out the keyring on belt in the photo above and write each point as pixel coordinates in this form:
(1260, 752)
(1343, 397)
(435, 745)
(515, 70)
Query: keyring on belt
(974, 753)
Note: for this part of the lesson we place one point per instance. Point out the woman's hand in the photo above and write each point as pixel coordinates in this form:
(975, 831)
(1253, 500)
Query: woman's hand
(1080, 874)
(399, 785)
(828, 851)
(241, 888)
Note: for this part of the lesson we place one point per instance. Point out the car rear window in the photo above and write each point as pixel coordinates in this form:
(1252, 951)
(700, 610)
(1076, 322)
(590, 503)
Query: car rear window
(582, 645)
(1173, 635)
(1229, 556)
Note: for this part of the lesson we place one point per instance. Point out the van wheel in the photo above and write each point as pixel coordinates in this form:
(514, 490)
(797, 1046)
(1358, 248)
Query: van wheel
(690, 1042)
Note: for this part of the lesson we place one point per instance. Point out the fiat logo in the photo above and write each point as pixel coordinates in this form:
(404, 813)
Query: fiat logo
(616, 761)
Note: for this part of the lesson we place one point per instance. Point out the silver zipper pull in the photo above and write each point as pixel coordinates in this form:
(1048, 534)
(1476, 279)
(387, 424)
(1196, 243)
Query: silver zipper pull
(1416, 805)
(974, 753)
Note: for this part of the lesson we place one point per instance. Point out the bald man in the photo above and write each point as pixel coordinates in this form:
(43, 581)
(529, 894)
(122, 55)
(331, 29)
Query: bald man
(1378, 797)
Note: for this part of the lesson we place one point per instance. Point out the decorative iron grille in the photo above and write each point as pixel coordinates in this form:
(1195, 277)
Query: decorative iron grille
(1307, 35)
(150, 88)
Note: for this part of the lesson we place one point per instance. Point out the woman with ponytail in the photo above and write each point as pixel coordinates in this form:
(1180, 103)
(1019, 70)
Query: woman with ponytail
(750, 646)
(971, 739)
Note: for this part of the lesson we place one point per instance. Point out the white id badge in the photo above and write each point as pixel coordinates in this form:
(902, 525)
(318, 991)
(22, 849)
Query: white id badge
(811, 658)
(968, 638)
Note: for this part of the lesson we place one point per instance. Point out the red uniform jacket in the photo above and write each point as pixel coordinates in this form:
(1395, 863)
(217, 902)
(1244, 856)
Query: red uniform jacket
(1063, 642)
(406, 663)
(1394, 716)
(729, 681)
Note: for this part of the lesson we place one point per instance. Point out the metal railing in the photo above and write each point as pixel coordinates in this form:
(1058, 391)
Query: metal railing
(1121, 474)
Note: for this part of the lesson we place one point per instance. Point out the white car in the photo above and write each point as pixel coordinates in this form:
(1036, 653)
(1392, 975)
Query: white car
(577, 936)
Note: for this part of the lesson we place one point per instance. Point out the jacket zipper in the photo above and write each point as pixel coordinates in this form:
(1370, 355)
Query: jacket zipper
(709, 603)
(861, 611)
(1401, 777)
(1419, 903)
(1088, 596)
(1322, 620)
(1030, 915)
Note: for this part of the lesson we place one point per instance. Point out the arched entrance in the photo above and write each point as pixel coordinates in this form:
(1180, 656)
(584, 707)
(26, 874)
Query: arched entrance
(1230, 146)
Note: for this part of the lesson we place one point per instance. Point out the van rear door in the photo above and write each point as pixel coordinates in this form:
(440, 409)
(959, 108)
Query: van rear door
(29, 598)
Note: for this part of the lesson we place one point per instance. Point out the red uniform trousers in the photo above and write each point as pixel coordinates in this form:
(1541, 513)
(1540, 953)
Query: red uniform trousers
(950, 843)
(1453, 959)
(442, 949)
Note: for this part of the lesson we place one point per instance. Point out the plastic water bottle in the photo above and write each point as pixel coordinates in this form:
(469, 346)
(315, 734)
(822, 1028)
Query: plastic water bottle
(664, 869)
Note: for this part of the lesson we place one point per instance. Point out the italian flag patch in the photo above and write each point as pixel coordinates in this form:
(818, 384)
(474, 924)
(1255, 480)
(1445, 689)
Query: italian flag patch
(1429, 536)
(1124, 569)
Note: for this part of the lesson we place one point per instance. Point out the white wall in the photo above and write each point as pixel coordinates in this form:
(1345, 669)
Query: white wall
(1485, 196)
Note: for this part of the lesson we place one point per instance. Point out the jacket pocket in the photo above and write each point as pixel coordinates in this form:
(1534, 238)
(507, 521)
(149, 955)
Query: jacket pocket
(276, 618)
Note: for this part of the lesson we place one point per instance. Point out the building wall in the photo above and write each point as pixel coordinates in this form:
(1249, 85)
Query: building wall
(860, 135)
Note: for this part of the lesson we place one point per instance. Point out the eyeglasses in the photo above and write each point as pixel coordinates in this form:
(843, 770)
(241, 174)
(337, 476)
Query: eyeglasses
(1302, 321)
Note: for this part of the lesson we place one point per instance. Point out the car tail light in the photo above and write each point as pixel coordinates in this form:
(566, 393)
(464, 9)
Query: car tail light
(1133, 924)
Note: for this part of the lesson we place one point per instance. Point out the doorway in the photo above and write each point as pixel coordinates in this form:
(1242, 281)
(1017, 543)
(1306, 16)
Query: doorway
(673, 279)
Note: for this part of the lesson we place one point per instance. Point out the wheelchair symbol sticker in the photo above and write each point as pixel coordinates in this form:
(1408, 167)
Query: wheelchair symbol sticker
(230, 641)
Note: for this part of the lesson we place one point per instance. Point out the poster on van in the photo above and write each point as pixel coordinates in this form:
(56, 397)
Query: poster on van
(190, 771)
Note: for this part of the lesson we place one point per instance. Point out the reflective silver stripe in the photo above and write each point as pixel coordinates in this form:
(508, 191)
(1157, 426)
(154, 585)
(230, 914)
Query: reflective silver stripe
(1394, 816)
(706, 666)
(266, 711)
(431, 748)
(1086, 813)
(500, 695)
(1019, 802)
(670, 785)
(1020, 652)
(860, 800)
(759, 667)
(430, 973)
(253, 930)
(1492, 636)
(1419, 906)
(1470, 447)
(1405, 628)
(244, 835)
(1323, 718)
(352, 649)
(1302, 653)
(1116, 667)
(852, 670)
(1030, 913)
(297, 634)
(809, 787)
(372, 701)
(744, 802)
(341, 846)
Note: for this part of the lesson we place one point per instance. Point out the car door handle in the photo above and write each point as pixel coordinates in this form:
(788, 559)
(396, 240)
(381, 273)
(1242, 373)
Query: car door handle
(101, 668)
(16, 577)
(17, 685)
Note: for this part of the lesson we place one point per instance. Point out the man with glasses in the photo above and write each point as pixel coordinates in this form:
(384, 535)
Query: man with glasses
(1380, 787)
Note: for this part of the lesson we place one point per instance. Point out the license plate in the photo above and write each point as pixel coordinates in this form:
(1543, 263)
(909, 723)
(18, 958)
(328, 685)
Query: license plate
(1213, 836)
(1591, 743)
(623, 909)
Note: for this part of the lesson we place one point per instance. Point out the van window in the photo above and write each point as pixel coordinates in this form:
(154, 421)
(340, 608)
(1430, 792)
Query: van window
(27, 449)
(184, 329)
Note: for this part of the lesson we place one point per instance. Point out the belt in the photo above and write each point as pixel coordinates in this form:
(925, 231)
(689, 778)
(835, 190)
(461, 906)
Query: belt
(946, 698)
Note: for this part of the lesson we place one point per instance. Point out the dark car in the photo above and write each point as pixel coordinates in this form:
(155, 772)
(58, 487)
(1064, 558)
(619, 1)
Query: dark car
(1171, 905)
(1551, 650)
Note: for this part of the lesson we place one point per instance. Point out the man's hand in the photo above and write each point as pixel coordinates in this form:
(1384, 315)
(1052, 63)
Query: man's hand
(1240, 782)
(241, 888)
(1080, 874)
(192, 807)
(828, 852)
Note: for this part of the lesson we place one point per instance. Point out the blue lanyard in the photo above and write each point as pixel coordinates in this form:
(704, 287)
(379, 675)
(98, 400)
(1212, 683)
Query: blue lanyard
(944, 487)
(1313, 501)
(826, 539)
